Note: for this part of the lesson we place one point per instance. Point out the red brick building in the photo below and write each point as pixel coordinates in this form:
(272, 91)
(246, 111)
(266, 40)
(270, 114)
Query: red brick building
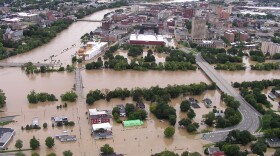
(188, 12)
(243, 36)
(97, 117)
(229, 36)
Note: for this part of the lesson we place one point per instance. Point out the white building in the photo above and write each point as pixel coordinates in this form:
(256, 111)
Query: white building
(92, 49)
(198, 29)
(134, 8)
(12, 35)
(270, 47)
(105, 126)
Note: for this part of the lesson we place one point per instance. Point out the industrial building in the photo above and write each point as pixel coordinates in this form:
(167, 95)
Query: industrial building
(198, 29)
(144, 39)
(6, 135)
(270, 47)
(92, 49)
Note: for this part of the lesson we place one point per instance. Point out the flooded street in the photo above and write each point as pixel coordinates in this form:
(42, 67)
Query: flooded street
(139, 141)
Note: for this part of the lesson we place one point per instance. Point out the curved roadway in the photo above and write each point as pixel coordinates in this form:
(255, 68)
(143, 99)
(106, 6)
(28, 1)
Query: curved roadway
(250, 117)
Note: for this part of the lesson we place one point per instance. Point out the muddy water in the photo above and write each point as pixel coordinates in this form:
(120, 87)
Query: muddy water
(110, 79)
(61, 42)
(136, 141)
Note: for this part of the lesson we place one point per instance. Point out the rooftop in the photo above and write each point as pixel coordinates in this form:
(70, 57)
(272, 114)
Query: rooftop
(96, 112)
(146, 37)
(105, 126)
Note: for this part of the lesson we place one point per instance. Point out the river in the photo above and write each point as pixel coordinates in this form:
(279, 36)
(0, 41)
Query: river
(137, 141)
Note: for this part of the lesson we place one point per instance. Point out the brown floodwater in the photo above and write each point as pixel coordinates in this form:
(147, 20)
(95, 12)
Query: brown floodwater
(140, 141)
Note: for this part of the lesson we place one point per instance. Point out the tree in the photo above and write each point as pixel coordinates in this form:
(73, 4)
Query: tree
(277, 152)
(35, 154)
(67, 153)
(34, 143)
(19, 144)
(20, 154)
(172, 119)
(49, 142)
(2, 99)
(51, 154)
(231, 150)
(191, 114)
(259, 147)
(169, 132)
(69, 96)
(106, 149)
(45, 125)
(185, 106)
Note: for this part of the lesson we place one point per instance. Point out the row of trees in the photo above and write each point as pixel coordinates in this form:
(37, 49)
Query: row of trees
(2, 98)
(121, 63)
(34, 97)
(263, 84)
(30, 68)
(152, 93)
(170, 153)
(221, 58)
(266, 66)
(230, 66)
(35, 144)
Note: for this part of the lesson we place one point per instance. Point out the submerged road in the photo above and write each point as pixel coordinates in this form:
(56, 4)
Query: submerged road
(250, 117)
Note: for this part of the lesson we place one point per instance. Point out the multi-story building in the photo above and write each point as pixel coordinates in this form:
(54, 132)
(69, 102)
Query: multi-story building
(229, 35)
(243, 36)
(12, 35)
(198, 29)
(270, 47)
(188, 12)
(106, 23)
(98, 117)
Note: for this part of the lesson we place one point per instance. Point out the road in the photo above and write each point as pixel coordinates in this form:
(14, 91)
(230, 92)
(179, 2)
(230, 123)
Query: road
(250, 117)
(78, 83)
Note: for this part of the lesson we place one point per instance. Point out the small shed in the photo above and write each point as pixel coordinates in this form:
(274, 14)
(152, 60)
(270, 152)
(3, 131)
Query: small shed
(131, 123)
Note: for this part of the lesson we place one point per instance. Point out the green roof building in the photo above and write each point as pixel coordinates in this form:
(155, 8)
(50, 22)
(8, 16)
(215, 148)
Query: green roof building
(131, 123)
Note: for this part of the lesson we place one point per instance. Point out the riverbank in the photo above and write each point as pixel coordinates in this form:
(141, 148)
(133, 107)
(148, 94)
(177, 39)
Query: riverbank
(36, 36)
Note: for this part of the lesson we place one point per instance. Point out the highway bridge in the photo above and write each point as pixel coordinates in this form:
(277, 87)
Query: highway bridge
(18, 64)
(250, 117)
(86, 20)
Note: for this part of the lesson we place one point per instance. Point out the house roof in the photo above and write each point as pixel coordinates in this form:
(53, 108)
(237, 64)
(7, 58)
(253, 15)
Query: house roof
(212, 150)
(273, 140)
(5, 135)
(96, 112)
(145, 37)
(105, 126)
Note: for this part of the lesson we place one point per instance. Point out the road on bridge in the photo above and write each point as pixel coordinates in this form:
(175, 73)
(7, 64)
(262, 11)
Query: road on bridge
(250, 117)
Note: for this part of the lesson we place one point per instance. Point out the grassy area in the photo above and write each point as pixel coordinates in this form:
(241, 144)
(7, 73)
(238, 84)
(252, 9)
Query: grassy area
(208, 145)
(261, 123)
(10, 151)
(5, 123)
(205, 131)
